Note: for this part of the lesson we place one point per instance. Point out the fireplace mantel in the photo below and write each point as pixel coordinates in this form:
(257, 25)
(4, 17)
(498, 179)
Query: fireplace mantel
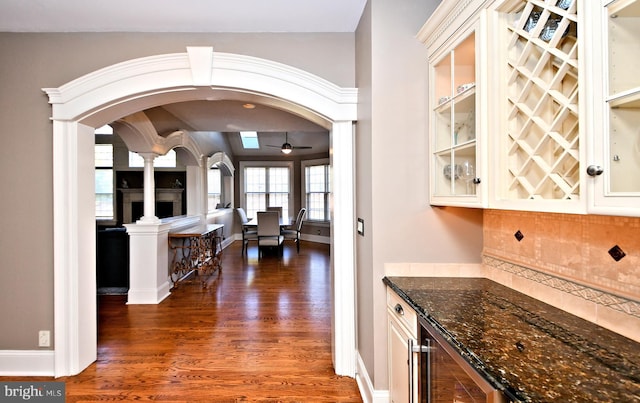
(129, 196)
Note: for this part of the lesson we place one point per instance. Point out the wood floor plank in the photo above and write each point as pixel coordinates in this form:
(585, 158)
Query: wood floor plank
(259, 332)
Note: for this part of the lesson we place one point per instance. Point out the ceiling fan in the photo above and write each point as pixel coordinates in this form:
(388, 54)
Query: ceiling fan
(286, 147)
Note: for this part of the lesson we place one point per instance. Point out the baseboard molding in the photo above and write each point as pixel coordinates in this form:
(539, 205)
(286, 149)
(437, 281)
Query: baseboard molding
(229, 240)
(367, 391)
(149, 296)
(316, 238)
(27, 363)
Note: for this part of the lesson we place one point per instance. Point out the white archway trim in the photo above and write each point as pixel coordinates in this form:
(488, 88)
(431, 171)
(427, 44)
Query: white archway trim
(223, 159)
(181, 73)
(126, 88)
(139, 134)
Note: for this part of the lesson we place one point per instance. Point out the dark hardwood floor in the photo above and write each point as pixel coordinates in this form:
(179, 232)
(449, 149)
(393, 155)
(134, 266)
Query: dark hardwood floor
(259, 331)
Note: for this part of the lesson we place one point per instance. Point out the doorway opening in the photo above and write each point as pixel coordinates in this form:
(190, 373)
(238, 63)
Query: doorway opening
(91, 101)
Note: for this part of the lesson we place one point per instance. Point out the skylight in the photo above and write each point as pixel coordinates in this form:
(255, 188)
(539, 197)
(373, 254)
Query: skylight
(249, 140)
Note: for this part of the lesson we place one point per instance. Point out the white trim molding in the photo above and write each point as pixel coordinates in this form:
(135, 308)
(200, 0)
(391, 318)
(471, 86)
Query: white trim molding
(368, 393)
(26, 363)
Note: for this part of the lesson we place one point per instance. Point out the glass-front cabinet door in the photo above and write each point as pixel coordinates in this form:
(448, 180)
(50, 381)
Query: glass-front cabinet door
(455, 173)
(616, 172)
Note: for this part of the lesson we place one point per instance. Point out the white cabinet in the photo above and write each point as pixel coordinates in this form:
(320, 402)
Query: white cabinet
(457, 166)
(534, 105)
(616, 152)
(403, 362)
(528, 131)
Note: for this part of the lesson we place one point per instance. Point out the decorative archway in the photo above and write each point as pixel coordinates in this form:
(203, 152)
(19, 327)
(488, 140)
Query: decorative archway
(125, 88)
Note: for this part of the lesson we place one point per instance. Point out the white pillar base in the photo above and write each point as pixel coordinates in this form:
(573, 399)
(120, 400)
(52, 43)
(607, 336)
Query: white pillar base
(148, 262)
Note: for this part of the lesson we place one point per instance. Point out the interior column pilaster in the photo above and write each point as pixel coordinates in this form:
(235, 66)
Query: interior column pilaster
(149, 216)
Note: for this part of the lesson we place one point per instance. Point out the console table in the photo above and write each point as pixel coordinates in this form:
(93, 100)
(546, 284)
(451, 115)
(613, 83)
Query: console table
(197, 248)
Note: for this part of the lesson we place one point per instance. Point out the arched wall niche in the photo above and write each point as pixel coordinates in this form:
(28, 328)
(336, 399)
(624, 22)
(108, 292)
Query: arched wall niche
(106, 95)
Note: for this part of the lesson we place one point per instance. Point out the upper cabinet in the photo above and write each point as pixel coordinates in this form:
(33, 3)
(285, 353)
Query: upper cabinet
(535, 105)
(536, 124)
(456, 116)
(615, 157)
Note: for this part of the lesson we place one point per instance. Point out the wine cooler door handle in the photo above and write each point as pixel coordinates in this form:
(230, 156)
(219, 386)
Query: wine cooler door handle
(410, 362)
(421, 349)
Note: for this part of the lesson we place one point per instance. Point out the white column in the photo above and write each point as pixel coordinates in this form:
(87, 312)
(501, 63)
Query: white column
(74, 245)
(194, 197)
(204, 183)
(343, 248)
(149, 190)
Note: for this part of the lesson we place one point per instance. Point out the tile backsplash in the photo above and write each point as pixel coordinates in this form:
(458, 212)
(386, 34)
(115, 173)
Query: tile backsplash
(565, 260)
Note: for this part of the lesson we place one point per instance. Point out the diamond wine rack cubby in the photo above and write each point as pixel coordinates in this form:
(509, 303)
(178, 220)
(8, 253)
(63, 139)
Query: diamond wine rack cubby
(542, 131)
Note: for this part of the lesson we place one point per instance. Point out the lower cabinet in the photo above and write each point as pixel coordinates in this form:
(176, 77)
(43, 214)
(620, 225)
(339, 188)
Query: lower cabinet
(403, 362)
(424, 368)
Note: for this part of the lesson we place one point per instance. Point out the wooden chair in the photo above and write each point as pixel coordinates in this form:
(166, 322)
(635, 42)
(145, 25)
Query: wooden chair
(277, 209)
(293, 232)
(248, 233)
(269, 231)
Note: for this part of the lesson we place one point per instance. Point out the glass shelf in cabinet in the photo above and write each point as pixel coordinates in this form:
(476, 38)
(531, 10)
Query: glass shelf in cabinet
(465, 95)
(468, 148)
(627, 99)
(443, 106)
(624, 8)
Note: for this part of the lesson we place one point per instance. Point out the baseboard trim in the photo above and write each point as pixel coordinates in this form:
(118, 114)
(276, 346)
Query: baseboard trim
(149, 296)
(27, 363)
(367, 391)
(316, 238)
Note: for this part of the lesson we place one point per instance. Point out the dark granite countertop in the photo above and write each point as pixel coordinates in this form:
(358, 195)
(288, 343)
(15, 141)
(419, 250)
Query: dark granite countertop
(531, 350)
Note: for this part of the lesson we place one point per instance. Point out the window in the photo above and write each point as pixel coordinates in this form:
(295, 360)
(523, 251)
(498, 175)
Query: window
(105, 130)
(214, 188)
(162, 161)
(317, 189)
(104, 181)
(267, 186)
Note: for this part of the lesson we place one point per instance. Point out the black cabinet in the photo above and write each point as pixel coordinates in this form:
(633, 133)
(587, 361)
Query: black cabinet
(112, 258)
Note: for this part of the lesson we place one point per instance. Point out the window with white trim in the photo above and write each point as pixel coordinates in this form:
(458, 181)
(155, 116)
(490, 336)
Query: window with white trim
(317, 189)
(214, 188)
(104, 181)
(266, 185)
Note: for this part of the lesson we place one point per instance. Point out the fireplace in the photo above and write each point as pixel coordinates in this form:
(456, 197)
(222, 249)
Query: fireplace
(168, 203)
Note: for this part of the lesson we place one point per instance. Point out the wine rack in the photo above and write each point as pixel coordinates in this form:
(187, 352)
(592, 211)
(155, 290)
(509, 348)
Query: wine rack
(541, 133)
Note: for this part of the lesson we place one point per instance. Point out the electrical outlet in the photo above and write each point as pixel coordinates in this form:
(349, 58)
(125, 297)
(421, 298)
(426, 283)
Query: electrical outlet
(44, 338)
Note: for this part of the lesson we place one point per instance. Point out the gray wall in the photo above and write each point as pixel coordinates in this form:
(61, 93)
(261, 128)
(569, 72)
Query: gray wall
(391, 152)
(392, 170)
(34, 61)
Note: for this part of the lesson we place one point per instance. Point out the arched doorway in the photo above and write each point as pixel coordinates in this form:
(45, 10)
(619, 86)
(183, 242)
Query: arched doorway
(81, 105)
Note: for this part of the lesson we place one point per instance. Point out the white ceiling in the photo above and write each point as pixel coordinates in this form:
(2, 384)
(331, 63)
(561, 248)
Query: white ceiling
(230, 117)
(200, 16)
(180, 15)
